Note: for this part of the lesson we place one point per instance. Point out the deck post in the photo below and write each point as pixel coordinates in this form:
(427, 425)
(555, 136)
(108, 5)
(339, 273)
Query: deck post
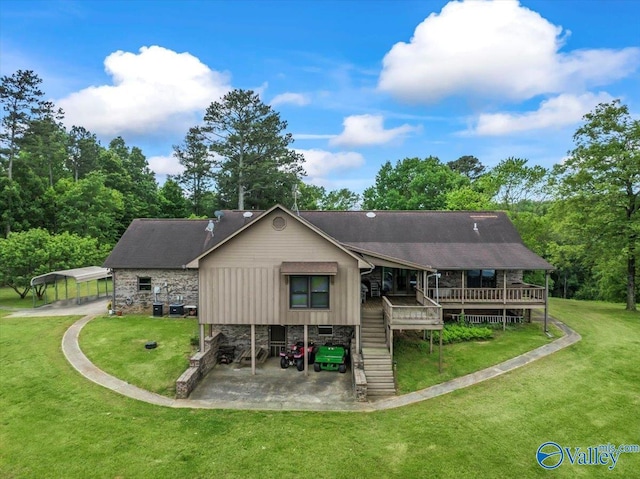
(504, 319)
(546, 300)
(431, 342)
(504, 288)
(306, 354)
(440, 358)
(253, 349)
(463, 291)
(391, 343)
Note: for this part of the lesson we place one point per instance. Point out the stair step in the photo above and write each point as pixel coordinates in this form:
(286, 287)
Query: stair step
(373, 385)
(377, 362)
(379, 374)
(378, 371)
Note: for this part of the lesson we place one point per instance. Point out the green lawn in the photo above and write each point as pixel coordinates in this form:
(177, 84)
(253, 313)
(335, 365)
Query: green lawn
(416, 369)
(116, 345)
(55, 423)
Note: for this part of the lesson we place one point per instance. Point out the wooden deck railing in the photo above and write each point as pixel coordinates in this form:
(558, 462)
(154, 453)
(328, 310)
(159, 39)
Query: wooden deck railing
(411, 316)
(510, 295)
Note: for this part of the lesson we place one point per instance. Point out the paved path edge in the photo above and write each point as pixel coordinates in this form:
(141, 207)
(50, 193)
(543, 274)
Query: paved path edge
(82, 364)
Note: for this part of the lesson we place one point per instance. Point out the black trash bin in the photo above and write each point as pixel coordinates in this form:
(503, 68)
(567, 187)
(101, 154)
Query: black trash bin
(158, 310)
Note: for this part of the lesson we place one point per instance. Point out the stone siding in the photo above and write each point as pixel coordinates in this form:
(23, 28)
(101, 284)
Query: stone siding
(453, 279)
(199, 365)
(181, 287)
(240, 335)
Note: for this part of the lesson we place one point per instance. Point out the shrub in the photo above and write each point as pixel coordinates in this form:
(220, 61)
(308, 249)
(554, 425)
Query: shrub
(457, 333)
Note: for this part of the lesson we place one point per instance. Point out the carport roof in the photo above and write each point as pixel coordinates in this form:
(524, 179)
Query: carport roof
(79, 274)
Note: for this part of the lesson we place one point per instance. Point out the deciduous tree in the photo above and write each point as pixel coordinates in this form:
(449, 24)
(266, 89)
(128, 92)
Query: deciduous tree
(30, 253)
(413, 184)
(600, 182)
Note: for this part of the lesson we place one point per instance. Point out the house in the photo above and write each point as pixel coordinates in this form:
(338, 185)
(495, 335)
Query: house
(259, 280)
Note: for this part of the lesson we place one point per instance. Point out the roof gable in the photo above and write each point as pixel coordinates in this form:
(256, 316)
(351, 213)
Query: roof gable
(361, 262)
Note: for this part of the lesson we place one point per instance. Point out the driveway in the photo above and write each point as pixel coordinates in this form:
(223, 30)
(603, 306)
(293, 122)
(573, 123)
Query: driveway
(93, 308)
(232, 383)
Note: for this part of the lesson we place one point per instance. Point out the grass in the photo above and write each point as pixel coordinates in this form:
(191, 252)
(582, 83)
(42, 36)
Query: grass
(55, 423)
(417, 369)
(116, 345)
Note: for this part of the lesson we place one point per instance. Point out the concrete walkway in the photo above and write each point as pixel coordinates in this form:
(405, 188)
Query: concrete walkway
(75, 356)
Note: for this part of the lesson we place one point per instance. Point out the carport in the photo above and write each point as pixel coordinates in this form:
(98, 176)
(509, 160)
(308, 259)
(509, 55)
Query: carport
(82, 276)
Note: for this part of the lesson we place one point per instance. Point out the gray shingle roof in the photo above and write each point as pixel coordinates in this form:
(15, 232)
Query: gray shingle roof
(440, 239)
(169, 243)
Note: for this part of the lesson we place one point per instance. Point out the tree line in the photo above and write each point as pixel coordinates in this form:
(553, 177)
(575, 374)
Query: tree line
(581, 215)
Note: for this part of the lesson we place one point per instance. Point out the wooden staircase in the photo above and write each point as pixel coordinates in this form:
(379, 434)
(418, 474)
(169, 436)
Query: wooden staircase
(378, 367)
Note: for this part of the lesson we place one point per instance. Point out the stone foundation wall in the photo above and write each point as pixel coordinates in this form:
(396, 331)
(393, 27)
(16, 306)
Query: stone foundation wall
(180, 283)
(199, 365)
(240, 335)
(341, 335)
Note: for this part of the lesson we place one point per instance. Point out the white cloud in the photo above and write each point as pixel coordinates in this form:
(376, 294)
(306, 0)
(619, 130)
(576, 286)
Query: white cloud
(557, 112)
(156, 88)
(362, 130)
(297, 99)
(165, 165)
(494, 48)
(312, 136)
(318, 163)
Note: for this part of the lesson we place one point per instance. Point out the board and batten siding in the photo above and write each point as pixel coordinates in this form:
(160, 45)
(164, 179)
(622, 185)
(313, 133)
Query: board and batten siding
(240, 282)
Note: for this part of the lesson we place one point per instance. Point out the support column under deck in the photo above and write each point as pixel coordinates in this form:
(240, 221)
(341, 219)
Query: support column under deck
(306, 353)
(253, 349)
(546, 300)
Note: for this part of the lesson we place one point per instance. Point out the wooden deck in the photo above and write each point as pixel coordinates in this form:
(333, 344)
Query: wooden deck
(521, 295)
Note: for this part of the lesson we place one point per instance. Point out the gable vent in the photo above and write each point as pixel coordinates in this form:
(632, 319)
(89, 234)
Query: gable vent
(279, 223)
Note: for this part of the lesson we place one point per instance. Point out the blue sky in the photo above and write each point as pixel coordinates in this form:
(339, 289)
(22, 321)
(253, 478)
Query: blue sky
(359, 82)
